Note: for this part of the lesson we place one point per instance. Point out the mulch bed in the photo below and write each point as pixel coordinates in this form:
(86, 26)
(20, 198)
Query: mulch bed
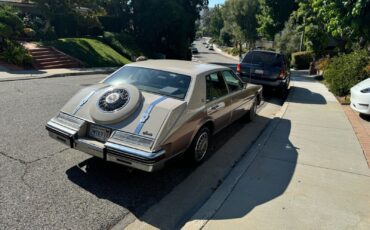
(361, 126)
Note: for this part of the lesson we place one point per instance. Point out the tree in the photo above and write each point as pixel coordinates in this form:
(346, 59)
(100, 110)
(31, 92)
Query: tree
(216, 22)
(240, 19)
(272, 16)
(288, 40)
(118, 15)
(170, 28)
(313, 28)
(345, 19)
(71, 18)
(226, 37)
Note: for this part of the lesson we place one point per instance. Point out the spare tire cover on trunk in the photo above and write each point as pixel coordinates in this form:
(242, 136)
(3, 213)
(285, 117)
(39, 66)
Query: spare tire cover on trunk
(113, 104)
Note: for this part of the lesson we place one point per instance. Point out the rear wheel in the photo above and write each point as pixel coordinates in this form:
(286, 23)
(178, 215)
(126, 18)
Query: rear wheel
(283, 91)
(251, 114)
(200, 145)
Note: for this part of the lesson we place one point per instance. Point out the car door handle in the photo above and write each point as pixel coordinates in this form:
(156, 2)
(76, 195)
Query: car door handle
(216, 107)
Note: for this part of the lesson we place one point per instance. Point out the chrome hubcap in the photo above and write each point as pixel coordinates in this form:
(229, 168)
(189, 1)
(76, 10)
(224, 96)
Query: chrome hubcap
(201, 146)
(112, 98)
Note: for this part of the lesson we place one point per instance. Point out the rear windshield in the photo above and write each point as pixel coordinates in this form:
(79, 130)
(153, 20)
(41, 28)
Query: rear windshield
(263, 58)
(153, 81)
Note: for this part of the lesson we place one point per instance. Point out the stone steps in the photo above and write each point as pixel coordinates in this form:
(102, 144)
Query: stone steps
(51, 58)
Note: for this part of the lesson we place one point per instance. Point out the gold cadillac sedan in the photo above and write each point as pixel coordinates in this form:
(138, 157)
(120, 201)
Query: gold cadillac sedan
(148, 112)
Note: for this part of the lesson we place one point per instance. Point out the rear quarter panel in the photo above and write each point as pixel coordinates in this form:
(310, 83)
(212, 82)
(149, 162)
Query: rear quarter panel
(177, 137)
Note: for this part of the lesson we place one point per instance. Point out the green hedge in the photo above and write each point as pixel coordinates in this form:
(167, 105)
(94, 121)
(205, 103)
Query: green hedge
(301, 60)
(345, 71)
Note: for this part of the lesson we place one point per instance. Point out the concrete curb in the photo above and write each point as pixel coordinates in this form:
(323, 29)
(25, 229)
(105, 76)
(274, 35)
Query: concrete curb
(30, 77)
(215, 202)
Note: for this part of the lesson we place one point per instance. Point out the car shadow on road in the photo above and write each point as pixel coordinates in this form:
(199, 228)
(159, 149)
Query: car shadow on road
(27, 72)
(132, 189)
(365, 117)
(207, 52)
(273, 97)
(135, 190)
(265, 180)
(305, 96)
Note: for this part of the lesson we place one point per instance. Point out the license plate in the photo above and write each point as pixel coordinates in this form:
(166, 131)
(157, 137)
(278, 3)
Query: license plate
(258, 71)
(99, 133)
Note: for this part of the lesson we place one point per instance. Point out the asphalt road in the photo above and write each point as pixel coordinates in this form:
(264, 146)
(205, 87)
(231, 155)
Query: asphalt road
(45, 185)
(211, 56)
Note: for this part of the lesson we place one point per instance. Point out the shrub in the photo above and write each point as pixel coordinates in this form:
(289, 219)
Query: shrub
(29, 32)
(88, 25)
(346, 70)
(49, 34)
(5, 30)
(301, 60)
(323, 63)
(215, 41)
(16, 54)
(367, 69)
(10, 24)
(235, 51)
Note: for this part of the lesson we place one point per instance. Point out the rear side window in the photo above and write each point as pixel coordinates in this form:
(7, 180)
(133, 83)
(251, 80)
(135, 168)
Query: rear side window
(232, 81)
(216, 86)
(263, 58)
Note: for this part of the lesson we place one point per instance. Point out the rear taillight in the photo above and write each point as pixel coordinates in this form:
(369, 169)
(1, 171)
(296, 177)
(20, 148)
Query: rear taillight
(282, 74)
(238, 69)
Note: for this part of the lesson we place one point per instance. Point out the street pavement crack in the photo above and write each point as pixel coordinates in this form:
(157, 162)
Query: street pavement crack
(13, 158)
(27, 164)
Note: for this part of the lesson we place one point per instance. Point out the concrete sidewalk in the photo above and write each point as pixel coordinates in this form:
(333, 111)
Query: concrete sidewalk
(306, 171)
(48, 73)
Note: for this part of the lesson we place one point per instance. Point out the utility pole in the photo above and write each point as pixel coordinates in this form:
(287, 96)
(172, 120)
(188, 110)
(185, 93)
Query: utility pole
(301, 43)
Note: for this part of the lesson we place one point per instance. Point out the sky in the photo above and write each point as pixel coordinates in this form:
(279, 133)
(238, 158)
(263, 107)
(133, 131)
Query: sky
(212, 3)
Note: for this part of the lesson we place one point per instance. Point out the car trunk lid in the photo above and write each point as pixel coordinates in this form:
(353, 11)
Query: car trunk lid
(146, 121)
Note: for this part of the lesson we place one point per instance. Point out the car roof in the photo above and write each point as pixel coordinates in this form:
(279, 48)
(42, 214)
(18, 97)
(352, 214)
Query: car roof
(177, 66)
(265, 51)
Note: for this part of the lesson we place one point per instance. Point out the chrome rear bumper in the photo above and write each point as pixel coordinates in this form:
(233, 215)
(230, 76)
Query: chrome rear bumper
(61, 133)
(113, 152)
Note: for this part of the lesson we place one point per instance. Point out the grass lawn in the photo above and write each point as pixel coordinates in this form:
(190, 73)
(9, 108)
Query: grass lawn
(92, 52)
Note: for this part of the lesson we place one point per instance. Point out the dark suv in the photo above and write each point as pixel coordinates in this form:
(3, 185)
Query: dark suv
(265, 68)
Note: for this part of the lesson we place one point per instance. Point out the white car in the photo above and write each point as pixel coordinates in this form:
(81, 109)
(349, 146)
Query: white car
(360, 97)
